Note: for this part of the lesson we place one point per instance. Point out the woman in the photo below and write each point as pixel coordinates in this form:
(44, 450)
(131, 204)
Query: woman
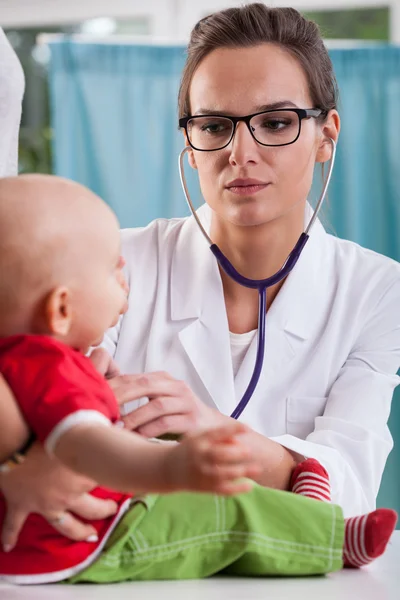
(333, 327)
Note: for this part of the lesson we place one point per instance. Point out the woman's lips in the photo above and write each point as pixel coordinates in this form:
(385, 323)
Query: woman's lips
(247, 190)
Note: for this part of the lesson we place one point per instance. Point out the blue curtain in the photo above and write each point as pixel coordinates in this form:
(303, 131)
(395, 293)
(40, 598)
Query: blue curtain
(114, 114)
(115, 120)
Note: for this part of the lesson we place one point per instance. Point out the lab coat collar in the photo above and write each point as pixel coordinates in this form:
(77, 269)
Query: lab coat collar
(302, 295)
(194, 268)
(195, 275)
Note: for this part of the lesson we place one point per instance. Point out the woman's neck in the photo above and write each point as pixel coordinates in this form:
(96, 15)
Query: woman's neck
(259, 251)
(256, 252)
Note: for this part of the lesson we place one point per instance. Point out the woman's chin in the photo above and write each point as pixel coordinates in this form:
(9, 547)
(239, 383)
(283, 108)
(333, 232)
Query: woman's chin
(252, 216)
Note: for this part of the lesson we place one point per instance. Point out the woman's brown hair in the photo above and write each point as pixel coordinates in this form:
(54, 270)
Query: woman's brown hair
(256, 24)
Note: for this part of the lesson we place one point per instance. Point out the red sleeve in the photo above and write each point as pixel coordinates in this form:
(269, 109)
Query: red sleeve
(56, 387)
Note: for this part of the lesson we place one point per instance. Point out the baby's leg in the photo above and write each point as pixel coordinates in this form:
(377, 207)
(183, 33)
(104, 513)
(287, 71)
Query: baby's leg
(367, 536)
(312, 480)
(191, 536)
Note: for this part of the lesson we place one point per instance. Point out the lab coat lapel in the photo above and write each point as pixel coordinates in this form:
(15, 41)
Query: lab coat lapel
(197, 297)
(291, 319)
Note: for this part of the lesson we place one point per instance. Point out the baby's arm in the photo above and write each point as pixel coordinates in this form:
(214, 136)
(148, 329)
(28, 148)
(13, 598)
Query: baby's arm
(14, 432)
(212, 461)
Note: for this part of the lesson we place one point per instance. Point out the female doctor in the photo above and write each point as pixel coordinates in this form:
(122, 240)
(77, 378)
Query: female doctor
(332, 346)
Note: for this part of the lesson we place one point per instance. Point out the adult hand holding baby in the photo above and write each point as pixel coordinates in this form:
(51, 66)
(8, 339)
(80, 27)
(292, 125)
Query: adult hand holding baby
(173, 407)
(43, 485)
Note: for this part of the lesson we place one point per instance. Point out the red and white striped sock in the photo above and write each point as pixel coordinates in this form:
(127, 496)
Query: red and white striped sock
(311, 479)
(366, 537)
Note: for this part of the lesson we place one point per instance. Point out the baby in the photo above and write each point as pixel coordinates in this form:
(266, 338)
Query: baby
(60, 289)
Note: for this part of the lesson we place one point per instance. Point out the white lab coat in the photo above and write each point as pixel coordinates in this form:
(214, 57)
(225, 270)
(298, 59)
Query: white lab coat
(12, 85)
(332, 345)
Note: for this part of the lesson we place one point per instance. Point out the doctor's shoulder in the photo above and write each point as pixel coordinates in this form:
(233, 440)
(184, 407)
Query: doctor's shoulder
(367, 276)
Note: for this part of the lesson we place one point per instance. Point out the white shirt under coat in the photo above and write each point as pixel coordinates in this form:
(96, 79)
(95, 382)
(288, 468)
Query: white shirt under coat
(332, 345)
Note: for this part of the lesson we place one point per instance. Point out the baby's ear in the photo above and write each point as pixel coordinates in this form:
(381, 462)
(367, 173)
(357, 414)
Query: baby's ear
(58, 311)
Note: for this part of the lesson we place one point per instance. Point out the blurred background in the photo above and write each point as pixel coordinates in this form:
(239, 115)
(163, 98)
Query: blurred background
(100, 107)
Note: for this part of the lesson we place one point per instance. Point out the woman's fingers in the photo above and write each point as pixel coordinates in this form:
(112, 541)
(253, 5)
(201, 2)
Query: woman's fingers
(64, 522)
(162, 412)
(13, 523)
(92, 508)
(179, 424)
(70, 527)
(44, 486)
(103, 363)
(132, 387)
(173, 408)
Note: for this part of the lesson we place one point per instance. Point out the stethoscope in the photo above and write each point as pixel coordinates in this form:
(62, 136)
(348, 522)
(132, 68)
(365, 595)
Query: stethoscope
(260, 284)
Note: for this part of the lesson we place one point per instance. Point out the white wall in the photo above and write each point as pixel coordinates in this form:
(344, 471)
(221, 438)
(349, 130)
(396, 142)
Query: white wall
(169, 18)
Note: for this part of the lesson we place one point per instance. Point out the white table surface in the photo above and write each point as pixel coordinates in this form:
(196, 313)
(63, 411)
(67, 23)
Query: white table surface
(379, 581)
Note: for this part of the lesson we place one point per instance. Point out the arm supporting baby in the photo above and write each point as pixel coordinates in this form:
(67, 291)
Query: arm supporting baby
(14, 431)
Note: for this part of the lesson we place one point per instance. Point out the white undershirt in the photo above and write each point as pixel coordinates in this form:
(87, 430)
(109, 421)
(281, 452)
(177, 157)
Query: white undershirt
(240, 343)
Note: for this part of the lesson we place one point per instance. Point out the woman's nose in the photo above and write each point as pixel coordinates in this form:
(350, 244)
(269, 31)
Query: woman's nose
(244, 148)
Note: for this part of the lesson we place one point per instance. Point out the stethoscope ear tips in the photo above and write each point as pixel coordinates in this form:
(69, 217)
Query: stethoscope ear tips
(333, 143)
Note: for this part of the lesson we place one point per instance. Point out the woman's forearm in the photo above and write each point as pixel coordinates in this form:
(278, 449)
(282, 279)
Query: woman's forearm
(277, 462)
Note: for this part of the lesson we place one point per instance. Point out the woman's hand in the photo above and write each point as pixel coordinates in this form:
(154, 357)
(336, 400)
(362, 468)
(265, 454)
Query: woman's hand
(173, 407)
(103, 363)
(43, 485)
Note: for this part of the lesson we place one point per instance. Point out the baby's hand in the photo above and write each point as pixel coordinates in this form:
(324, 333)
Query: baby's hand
(213, 461)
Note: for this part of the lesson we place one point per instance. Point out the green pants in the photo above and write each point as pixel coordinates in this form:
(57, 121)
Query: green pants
(187, 536)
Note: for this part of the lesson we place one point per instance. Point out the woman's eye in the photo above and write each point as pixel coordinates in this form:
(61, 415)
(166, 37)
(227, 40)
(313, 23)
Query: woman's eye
(213, 128)
(276, 124)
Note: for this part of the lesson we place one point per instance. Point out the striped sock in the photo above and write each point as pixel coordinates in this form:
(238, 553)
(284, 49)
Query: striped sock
(366, 537)
(311, 479)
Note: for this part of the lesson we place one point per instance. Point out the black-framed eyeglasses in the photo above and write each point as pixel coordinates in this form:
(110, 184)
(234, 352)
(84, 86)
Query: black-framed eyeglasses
(277, 127)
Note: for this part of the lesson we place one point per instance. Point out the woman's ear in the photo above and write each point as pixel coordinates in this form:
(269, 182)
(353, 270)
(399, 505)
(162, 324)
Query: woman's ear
(58, 311)
(330, 130)
(191, 158)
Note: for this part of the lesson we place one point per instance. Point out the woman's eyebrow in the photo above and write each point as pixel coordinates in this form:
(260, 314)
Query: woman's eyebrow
(271, 106)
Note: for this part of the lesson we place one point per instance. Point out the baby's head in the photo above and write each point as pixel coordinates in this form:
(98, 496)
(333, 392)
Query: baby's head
(60, 261)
